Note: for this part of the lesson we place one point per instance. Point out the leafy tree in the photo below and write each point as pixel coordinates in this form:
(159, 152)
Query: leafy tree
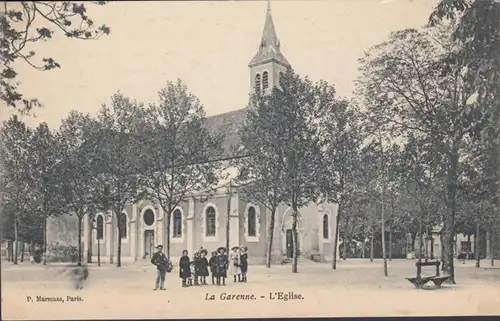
(26, 23)
(118, 159)
(343, 137)
(297, 103)
(179, 153)
(15, 188)
(418, 83)
(45, 175)
(479, 32)
(79, 143)
(261, 173)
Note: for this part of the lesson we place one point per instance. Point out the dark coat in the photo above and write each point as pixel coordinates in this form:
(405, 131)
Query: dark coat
(201, 266)
(213, 265)
(160, 260)
(221, 263)
(244, 262)
(184, 269)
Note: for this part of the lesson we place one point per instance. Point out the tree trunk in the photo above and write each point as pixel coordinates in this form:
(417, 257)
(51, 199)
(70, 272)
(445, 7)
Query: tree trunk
(443, 257)
(80, 218)
(294, 237)
(488, 244)
(413, 239)
(16, 242)
(476, 247)
(9, 250)
(336, 240)
(22, 251)
(492, 245)
(270, 239)
(345, 240)
(372, 236)
(390, 244)
(228, 217)
(44, 253)
(363, 246)
(167, 233)
(384, 256)
(119, 243)
(450, 215)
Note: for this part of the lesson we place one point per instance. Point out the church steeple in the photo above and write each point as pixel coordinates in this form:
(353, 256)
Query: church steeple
(268, 62)
(269, 48)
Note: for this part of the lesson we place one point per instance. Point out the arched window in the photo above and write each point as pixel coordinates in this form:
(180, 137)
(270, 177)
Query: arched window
(252, 220)
(265, 81)
(280, 77)
(325, 227)
(123, 225)
(100, 227)
(210, 221)
(257, 82)
(149, 217)
(177, 219)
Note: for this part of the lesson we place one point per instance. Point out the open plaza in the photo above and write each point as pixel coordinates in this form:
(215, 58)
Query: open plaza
(357, 288)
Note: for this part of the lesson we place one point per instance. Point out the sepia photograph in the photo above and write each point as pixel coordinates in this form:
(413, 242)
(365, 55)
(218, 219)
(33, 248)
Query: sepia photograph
(249, 159)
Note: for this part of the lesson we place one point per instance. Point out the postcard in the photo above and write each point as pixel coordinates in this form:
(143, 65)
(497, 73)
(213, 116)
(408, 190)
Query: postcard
(250, 159)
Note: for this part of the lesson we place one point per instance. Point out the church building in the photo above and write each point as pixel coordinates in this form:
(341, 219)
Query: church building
(200, 220)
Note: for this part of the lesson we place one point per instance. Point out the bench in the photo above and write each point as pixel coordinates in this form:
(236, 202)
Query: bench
(420, 281)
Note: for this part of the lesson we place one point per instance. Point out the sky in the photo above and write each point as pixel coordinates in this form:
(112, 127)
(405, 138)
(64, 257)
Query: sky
(208, 45)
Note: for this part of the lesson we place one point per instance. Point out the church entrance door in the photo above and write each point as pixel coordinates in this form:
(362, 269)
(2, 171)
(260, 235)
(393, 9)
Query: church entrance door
(149, 247)
(289, 243)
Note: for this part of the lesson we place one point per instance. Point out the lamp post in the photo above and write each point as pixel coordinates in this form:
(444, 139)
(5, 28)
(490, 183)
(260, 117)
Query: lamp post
(94, 227)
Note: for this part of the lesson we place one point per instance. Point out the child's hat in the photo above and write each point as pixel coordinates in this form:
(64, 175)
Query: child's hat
(203, 251)
(221, 249)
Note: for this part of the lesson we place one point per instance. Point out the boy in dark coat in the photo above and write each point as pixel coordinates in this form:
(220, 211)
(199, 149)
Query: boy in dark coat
(160, 260)
(221, 263)
(184, 268)
(213, 266)
(244, 263)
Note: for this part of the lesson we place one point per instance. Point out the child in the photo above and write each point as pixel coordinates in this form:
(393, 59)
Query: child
(221, 266)
(236, 264)
(244, 263)
(202, 267)
(184, 268)
(194, 271)
(213, 266)
(192, 275)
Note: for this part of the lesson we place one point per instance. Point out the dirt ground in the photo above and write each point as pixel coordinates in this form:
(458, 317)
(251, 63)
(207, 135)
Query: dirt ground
(356, 288)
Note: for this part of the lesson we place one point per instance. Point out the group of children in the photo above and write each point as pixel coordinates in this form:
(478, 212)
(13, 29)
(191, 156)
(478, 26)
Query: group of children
(196, 270)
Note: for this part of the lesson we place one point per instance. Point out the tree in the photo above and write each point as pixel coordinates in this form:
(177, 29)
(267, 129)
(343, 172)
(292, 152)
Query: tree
(261, 172)
(298, 104)
(179, 153)
(417, 82)
(79, 141)
(118, 159)
(15, 188)
(45, 176)
(26, 23)
(479, 30)
(343, 137)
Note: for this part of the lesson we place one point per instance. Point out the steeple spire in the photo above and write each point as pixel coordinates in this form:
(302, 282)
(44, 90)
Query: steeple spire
(269, 48)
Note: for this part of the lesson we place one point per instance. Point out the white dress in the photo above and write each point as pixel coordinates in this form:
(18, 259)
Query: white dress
(233, 269)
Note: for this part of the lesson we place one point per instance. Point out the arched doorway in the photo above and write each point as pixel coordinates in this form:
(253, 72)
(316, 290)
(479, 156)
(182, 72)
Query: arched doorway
(287, 234)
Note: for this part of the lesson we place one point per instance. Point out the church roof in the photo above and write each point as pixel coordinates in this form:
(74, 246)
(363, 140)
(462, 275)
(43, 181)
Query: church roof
(228, 125)
(269, 48)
